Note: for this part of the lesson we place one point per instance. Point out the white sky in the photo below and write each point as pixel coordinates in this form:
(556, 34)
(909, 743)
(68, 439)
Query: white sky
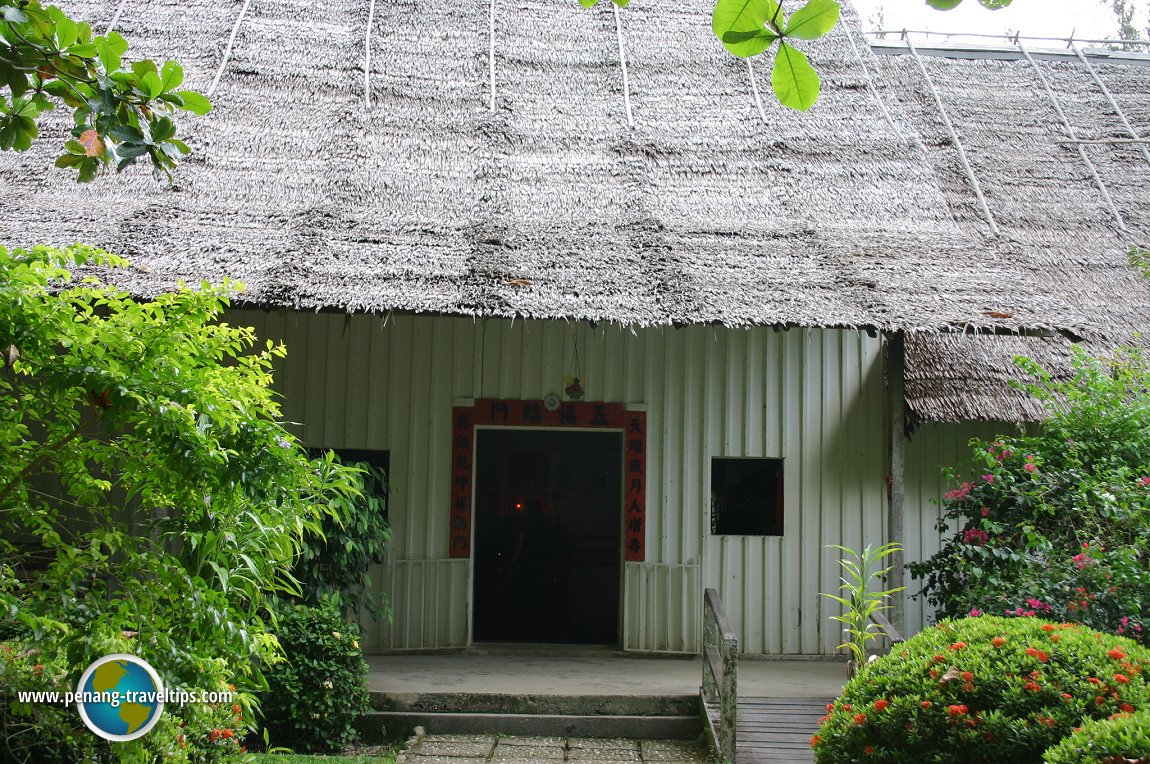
(1053, 18)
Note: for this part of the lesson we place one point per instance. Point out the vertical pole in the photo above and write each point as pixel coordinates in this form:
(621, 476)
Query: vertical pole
(730, 710)
(896, 433)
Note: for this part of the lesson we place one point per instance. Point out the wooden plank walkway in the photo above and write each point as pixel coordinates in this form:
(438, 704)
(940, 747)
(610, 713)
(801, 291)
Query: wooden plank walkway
(777, 729)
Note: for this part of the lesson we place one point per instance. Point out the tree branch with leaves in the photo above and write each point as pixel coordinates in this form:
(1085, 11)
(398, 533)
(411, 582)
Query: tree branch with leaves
(121, 113)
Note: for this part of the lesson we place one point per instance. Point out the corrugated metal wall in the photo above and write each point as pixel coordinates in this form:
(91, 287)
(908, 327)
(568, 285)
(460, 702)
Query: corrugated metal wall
(811, 397)
(932, 447)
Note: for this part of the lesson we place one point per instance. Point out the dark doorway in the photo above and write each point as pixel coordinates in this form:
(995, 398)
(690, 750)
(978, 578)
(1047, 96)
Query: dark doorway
(548, 505)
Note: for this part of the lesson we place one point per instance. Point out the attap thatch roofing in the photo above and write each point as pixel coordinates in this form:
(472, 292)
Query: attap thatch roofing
(532, 158)
(1058, 208)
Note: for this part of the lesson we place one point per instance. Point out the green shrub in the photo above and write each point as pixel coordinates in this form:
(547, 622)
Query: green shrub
(35, 733)
(1055, 524)
(986, 689)
(335, 559)
(1121, 738)
(151, 501)
(316, 694)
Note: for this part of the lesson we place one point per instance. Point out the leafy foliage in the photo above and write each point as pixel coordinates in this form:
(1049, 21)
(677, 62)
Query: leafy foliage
(40, 733)
(859, 600)
(1057, 524)
(315, 696)
(149, 501)
(336, 560)
(1121, 739)
(120, 112)
(751, 27)
(946, 5)
(985, 689)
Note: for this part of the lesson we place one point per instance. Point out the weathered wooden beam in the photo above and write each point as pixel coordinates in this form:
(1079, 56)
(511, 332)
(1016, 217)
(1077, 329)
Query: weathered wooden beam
(720, 676)
(896, 437)
(887, 628)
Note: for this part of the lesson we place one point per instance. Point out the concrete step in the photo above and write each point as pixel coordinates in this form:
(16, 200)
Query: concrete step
(379, 726)
(531, 703)
(647, 717)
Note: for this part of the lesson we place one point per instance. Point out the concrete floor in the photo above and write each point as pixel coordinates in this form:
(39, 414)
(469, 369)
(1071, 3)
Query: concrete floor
(554, 671)
(510, 749)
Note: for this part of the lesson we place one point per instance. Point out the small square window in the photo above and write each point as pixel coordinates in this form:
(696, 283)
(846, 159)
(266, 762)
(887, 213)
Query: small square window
(746, 497)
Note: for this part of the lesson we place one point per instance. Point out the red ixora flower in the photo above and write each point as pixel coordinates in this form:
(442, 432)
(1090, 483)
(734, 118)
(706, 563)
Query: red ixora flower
(998, 641)
(859, 718)
(1032, 686)
(815, 740)
(1121, 679)
(1116, 654)
(960, 645)
(1041, 655)
(879, 705)
(957, 710)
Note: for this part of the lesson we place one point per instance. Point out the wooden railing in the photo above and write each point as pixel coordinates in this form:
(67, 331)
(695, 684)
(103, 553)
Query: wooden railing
(887, 628)
(719, 693)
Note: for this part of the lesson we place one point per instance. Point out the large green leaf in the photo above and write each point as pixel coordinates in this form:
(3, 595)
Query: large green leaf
(813, 20)
(194, 102)
(111, 49)
(994, 5)
(747, 20)
(943, 5)
(747, 44)
(171, 76)
(794, 80)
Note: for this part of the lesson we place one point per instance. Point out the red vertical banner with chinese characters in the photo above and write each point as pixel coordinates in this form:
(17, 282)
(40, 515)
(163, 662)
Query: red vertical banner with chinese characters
(635, 480)
(462, 459)
(575, 414)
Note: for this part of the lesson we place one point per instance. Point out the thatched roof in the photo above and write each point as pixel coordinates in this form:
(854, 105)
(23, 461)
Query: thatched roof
(1058, 211)
(321, 185)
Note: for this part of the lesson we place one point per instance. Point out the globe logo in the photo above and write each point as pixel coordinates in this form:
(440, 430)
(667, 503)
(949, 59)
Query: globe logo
(120, 697)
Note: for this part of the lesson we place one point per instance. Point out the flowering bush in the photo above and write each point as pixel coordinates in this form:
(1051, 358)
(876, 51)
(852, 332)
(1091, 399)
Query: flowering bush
(40, 732)
(1121, 738)
(986, 689)
(317, 693)
(1055, 524)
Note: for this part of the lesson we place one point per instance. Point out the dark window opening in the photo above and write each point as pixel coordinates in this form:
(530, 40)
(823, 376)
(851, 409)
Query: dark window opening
(746, 497)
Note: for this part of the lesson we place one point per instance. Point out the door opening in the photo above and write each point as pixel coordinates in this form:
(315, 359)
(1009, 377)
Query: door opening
(548, 511)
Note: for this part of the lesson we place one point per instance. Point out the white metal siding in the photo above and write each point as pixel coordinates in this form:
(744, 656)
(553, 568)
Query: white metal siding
(811, 397)
(931, 448)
